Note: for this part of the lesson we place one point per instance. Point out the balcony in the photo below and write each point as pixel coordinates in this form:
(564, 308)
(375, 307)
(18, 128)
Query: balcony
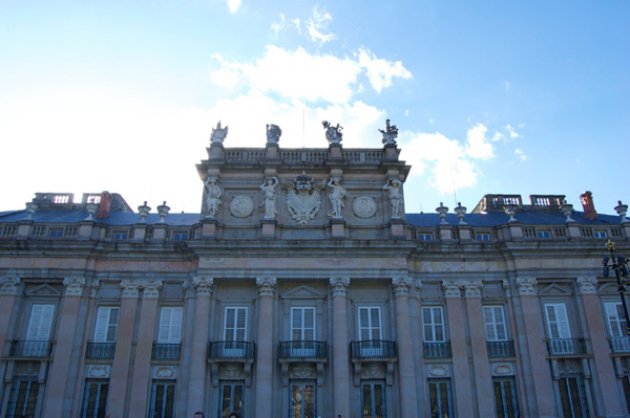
(165, 352)
(373, 349)
(302, 350)
(500, 349)
(30, 348)
(100, 351)
(620, 344)
(437, 350)
(231, 350)
(566, 346)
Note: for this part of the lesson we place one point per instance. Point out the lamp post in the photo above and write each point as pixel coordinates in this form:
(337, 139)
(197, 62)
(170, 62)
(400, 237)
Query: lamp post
(620, 267)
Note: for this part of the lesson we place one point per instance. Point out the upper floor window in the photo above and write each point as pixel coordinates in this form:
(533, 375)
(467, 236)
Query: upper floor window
(106, 324)
(302, 324)
(40, 322)
(170, 331)
(600, 234)
(235, 326)
(544, 234)
(433, 324)
(369, 323)
(483, 236)
(424, 236)
(557, 320)
(494, 321)
(617, 325)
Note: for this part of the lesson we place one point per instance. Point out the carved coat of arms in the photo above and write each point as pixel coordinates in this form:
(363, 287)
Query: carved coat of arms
(303, 201)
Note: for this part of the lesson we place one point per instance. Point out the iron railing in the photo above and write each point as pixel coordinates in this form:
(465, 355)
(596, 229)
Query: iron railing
(566, 346)
(620, 344)
(231, 350)
(30, 348)
(373, 349)
(440, 349)
(302, 349)
(163, 351)
(500, 349)
(100, 350)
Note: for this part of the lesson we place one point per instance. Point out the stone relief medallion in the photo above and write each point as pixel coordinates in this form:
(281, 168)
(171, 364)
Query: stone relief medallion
(303, 201)
(364, 207)
(166, 372)
(241, 206)
(98, 371)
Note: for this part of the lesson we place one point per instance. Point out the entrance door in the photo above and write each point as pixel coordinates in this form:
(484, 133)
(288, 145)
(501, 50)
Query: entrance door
(373, 399)
(302, 399)
(231, 399)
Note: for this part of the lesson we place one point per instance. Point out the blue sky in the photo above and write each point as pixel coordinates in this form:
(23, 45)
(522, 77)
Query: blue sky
(489, 97)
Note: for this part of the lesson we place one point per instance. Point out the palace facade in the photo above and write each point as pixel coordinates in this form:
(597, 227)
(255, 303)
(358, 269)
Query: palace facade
(303, 289)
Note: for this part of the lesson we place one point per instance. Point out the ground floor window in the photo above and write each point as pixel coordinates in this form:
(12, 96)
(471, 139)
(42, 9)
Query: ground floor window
(231, 399)
(573, 397)
(373, 399)
(302, 399)
(162, 399)
(23, 399)
(441, 398)
(94, 398)
(505, 397)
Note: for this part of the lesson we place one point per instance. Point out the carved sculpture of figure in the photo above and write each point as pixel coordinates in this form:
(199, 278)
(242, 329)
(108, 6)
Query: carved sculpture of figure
(273, 133)
(389, 134)
(218, 134)
(393, 187)
(269, 191)
(336, 196)
(333, 133)
(213, 196)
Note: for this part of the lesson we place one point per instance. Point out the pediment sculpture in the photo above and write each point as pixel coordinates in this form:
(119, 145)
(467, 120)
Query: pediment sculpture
(303, 201)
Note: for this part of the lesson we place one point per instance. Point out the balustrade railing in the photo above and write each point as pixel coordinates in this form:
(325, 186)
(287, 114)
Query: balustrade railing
(163, 351)
(566, 346)
(231, 350)
(30, 348)
(100, 350)
(620, 344)
(500, 349)
(373, 349)
(440, 349)
(302, 349)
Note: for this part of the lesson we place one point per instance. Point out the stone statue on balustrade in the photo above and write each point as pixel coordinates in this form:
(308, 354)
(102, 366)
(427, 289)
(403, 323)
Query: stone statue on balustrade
(393, 187)
(336, 196)
(273, 134)
(269, 194)
(389, 134)
(218, 134)
(213, 196)
(333, 133)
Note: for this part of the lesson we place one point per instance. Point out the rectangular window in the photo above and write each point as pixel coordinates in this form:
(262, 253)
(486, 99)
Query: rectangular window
(302, 399)
(544, 234)
(600, 234)
(162, 399)
(440, 398)
(235, 328)
(573, 397)
(303, 324)
(557, 320)
(494, 321)
(369, 323)
(94, 398)
(373, 399)
(433, 324)
(55, 233)
(505, 397)
(625, 381)
(617, 325)
(231, 399)
(106, 324)
(424, 236)
(40, 322)
(483, 236)
(170, 331)
(23, 399)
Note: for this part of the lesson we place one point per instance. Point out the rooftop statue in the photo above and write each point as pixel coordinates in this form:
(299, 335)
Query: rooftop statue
(389, 134)
(333, 133)
(218, 134)
(273, 133)
(213, 196)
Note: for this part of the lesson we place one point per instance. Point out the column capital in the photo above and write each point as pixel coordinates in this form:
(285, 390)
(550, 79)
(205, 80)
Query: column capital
(74, 285)
(9, 285)
(587, 285)
(472, 288)
(266, 285)
(451, 288)
(204, 285)
(131, 288)
(401, 285)
(526, 286)
(151, 288)
(339, 285)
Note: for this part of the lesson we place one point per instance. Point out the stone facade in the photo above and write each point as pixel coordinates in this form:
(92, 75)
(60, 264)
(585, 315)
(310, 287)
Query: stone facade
(304, 289)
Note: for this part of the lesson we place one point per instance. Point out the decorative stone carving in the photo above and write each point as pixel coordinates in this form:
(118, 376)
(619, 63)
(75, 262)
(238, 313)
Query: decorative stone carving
(460, 211)
(151, 288)
(242, 206)
(231, 371)
(401, 285)
(204, 286)
(163, 210)
(303, 372)
(389, 134)
(373, 371)
(333, 133)
(98, 371)
(526, 286)
(587, 285)
(439, 370)
(472, 288)
(304, 201)
(393, 187)
(622, 210)
(269, 197)
(273, 134)
(364, 207)
(218, 134)
(31, 208)
(336, 196)
(451, 288)
(213, 196)
(339, 285)
(131, 288)
(510, 210)
(143, 211)
(502, 369)
(442, 212)
(74, 285)
(567, 210)
(266, 285)
(9, 285)
(165, 372)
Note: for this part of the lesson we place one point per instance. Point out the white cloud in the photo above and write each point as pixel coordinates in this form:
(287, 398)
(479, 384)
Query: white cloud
(512, 131)
(233, 5)
(317, 24)
(277, 27)
(380, 72)
(477, 144)
(520, 154)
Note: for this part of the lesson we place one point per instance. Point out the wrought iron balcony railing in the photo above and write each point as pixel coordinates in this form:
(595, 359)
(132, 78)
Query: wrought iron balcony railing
(566, 346)
(244, 350)
(102, 351)
(302, 349)
(163, 351)
(440, 349)
(620, 344)
(373, 349)
(500, 349)
(30, 348)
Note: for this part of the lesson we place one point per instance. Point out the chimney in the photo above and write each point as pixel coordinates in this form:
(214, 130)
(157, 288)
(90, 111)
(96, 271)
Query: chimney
(104, 206)
(589, 207)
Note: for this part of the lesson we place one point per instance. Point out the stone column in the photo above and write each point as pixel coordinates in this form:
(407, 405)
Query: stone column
(464, 400)
(341, 339)
(9, 290)
(264, 349)
(122, 355)
(204, 287)
(406, 363)
(483, 379)
(610, 403)
(141, 376)
(541, 386)
(59, 375)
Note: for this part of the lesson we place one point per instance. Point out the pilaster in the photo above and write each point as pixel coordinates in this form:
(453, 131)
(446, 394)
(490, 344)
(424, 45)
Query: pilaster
(9, 291)
(340, 362)
(264, 352)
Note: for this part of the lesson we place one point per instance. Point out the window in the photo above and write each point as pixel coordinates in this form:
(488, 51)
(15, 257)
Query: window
(106, 324)
(433, 324)
(494, 320)
(23, 400)
(625, 381)
(120, 235)
(558, 329)
(600, 234)
(95, 399)
(440, 398)
(302, 332)
(302, 399)
(424, 236)
(235, 332)
(505, 397)
(617, 325)
(231, 399)
(180, 235)
(373, 399)
(170, 331)
(38, 332)
(370, 331)
(544, 234)
(483, 236)
(573, 397)
(55, 233)
(162, 399)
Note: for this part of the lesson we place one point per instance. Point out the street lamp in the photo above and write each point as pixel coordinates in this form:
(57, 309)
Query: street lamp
(620, 267)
